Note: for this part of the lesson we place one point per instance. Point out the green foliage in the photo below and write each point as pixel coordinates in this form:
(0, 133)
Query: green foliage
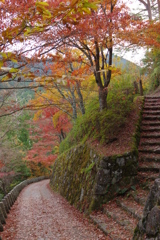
(152, 68)
(23, 133)
(133, 187)
(122, 191)
(105, 125)
(88, 169)
(23, 169)
(23, 136)
(19, 135)
(1, 196)
(38, 169)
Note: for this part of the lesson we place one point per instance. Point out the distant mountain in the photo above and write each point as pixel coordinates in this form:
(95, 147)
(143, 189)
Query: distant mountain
(123, 63)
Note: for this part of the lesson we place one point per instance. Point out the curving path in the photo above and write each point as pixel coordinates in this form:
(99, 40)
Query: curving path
(40, 214)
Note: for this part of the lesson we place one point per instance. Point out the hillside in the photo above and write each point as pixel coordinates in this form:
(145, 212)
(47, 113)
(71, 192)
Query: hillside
(115, 179)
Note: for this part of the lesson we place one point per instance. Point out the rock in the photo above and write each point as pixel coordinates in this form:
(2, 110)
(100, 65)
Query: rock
(103, 177)
(120, 162)
(103, 164)
(153, 198)
(153, 222)
(99, 190)
(117, 175)
(82, 194)
(149, 226)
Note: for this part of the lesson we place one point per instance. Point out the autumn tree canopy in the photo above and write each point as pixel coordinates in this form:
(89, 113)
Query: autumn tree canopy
(55, 27)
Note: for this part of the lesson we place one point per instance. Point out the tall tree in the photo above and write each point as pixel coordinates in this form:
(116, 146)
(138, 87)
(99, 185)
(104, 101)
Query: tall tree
(94, 36)
(92, 28)
(152, 7)
(48, 130)
(147, 4)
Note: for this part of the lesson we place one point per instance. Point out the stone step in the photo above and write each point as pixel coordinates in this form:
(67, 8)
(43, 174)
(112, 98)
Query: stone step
(152, 102)
(153, 150)
(147, 176)
(150, 128)
(112, 229)
(149, 157)
(131, 206)
(149, 166)
(150, 123)
(151, 117)
(140, 194)
(150, 135)
(151, 108)
(149, 142)
(151, 112)
(139, 200)
(152, 99)
(112, 210)
(156, 102)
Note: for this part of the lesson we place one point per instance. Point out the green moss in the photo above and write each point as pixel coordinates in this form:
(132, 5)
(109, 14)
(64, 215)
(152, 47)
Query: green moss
(73, 172)
(94, 205)
(136, 233)
(136, 136)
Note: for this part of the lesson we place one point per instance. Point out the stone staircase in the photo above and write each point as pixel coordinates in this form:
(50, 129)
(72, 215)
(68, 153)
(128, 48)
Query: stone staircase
(149, 150)
(119, 217)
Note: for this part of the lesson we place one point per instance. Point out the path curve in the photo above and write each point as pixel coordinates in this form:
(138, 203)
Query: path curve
(41, 214)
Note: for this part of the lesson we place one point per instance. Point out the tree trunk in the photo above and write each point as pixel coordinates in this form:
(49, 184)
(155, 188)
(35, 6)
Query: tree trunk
(149, 10)
(141, 87)
(81, 103)
(158, 1)
(103, 98)
(135, 87)
(62, 135)
(74, 105)
(148, 7)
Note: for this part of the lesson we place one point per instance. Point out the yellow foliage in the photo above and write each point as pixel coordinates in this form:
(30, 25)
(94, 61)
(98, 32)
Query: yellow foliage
(56, 117)
(37, 115)
(56, 150)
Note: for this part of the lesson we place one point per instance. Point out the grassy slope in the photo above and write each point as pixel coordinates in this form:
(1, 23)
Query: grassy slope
(109, 132)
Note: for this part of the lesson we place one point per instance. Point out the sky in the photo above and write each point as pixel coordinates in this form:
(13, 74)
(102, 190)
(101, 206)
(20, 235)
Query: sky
(135, 55)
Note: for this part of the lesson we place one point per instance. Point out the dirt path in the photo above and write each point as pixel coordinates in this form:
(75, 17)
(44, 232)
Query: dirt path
(40, 214)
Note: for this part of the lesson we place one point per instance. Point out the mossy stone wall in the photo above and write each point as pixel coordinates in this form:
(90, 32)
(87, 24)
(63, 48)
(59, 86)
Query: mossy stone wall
(87, 179)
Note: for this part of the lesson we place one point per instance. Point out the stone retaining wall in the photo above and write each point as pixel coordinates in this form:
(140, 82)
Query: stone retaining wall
(10, 198)
(87, 179)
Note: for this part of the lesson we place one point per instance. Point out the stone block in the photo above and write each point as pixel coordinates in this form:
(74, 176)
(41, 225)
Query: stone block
(121, 161)
(82, 194)
(6, 205)
(153, 222)
(99, 190)
(103, 164)
(11, 198)
(7, 202)
(2, 218)
(117, 175)
(1, 229)
(103, 177)
(3, 209)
